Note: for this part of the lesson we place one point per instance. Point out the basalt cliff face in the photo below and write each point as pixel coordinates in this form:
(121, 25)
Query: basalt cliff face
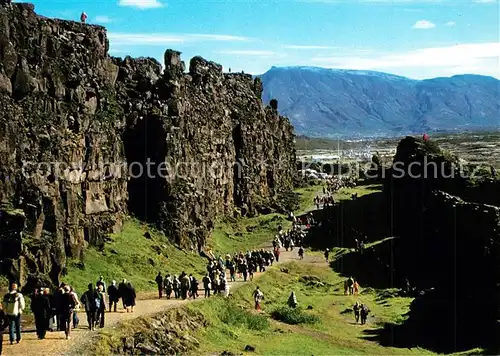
(87, 138)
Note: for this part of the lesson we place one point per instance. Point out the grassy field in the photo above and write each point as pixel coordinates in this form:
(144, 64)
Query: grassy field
(335, 333)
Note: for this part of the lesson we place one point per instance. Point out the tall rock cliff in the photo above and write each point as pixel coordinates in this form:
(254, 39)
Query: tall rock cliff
(86, 138)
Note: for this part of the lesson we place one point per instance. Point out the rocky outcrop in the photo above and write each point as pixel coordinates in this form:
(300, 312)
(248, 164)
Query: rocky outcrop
(169, 333)
(446, 245)
(444, 240)
(219, 147)
(76, 126)
(61, 154)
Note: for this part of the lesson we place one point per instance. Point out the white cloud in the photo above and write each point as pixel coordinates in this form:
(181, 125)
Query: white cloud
(450, 24)
(479, 58)
(159, 39)
(141, 4)
(423, 25)
(211, 37)
(300, 47)
(102, 19)
(249, 52)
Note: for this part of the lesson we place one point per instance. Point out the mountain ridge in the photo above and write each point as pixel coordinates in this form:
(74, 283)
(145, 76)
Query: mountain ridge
(323, 102)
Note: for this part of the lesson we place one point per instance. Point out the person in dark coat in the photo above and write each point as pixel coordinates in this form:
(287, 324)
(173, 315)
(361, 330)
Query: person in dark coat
(40, 306)
(90, 300)
(159, 283)
(67, 307)
(113, 296)
(56, 306)
(129, 298)
(194, 286)
(4, 322)
(122, 290)
(101, 282)
(364, 313)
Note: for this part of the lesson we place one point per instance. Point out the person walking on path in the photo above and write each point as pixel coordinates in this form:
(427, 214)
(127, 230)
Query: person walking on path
(68, 304)
(185, 285)
(301, 253)
(258, 297)
(194, 286)
(159, 283)
(350, 284)
(206, 285)
(13, 304)
(4, 322)
(76, 320)
(129, 298)
(89, 300)
(113, 296)
(357, 309)
(56, 306)
(101, 310)
(355, 288)
(327, 255)
(122, 290)
(101, 282)
(364, 313)
(40, 307)
(167, 282)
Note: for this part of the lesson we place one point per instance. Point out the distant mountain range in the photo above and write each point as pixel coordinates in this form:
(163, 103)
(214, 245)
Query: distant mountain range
(348, 103)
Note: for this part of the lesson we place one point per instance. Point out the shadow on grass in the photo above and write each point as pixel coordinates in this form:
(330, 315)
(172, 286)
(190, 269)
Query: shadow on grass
(439, 323)
(348, 220)
(369, 268)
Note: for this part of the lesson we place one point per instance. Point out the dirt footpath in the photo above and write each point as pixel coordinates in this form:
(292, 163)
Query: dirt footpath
(55, 343)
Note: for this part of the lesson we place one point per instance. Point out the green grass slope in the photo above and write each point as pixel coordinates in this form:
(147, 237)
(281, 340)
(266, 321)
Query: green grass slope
(132, 256)
(334, 333)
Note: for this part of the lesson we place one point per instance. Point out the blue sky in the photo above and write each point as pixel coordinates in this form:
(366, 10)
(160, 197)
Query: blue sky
(418, 39)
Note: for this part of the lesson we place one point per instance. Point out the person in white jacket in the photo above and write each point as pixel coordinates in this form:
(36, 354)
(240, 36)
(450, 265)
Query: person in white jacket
(13, 305)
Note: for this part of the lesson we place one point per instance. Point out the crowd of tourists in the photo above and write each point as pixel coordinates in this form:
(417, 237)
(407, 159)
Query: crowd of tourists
(336, 183)
(58, 311)
(220, 272)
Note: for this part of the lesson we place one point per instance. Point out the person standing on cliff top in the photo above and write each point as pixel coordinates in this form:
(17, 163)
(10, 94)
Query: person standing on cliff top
(83, 17)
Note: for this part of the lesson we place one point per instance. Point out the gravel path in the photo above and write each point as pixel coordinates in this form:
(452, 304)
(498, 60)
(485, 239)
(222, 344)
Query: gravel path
(55, 343)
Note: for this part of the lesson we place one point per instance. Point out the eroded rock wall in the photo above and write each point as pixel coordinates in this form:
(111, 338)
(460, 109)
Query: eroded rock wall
(58, 129)
(212, 145)
(85, 138)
